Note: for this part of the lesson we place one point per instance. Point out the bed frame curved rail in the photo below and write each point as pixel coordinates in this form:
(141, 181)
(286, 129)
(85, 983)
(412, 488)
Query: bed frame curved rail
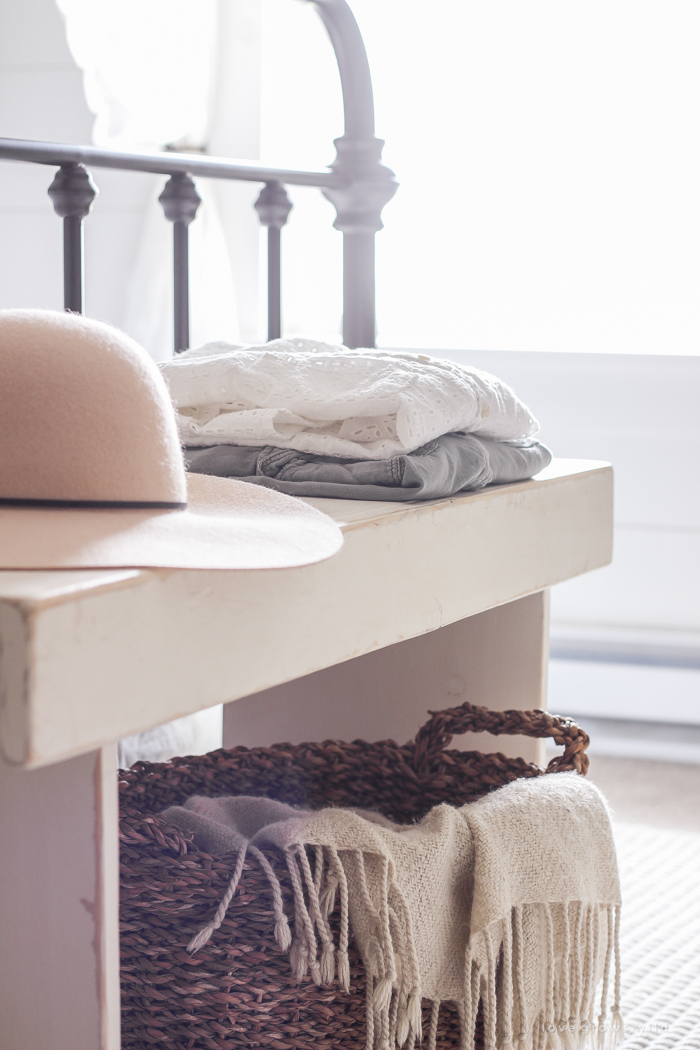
(356, 183)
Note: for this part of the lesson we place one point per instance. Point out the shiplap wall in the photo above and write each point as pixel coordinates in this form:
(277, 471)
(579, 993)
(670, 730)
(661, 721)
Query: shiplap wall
(640, 413)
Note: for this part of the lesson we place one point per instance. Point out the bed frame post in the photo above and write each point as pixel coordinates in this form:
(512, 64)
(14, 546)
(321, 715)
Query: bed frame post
(180, 201)
(72, 193)
(367, 184)
(273, 207)
(358, 205)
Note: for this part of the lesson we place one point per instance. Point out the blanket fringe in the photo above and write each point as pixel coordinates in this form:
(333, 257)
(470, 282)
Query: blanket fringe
(581, 942)
(200, 939)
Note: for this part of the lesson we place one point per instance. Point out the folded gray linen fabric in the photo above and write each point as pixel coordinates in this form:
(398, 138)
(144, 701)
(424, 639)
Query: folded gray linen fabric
(450, 464)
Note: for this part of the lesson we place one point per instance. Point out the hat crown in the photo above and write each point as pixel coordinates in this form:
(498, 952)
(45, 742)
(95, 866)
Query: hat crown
(85, 416)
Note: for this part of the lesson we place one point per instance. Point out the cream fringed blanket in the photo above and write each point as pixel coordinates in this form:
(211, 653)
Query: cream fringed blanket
(513, 900)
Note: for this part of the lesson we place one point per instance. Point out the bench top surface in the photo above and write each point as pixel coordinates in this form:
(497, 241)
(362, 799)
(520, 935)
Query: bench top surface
(47, 586)
(90, 656)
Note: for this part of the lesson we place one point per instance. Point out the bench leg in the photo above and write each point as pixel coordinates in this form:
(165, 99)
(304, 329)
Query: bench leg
(59, 906)
(497, 659)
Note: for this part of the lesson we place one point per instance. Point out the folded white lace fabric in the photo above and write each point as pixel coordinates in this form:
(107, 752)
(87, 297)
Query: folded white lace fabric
(332, 401)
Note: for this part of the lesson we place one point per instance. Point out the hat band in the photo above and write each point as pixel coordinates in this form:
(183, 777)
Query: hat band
(92, 504)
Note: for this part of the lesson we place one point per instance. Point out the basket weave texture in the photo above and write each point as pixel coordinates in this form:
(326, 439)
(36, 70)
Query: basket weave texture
(238, 991)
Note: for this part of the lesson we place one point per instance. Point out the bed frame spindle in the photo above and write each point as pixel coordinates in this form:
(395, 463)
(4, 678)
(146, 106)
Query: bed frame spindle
(72, 193)
(273, 206)
(180, 200)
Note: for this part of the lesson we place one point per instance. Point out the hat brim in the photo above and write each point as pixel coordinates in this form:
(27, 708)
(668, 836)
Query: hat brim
(227, 525)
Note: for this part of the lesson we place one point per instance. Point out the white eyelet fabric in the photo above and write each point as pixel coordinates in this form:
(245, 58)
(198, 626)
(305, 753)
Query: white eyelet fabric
(332, 401)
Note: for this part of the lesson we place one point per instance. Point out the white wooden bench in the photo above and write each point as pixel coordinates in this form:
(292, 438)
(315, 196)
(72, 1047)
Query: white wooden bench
(425, 606)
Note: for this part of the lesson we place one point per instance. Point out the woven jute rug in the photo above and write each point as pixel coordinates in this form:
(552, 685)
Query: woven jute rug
(660, 937)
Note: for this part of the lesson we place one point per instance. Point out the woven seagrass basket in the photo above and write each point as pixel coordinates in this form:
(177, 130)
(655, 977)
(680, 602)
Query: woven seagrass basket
(238, 990)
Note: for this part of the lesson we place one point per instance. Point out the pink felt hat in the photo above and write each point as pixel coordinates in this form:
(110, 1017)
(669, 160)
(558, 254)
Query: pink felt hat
(92, 473)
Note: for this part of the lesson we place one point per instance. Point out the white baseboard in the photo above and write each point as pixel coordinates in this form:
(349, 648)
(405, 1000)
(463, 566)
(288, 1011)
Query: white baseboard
(635, 691)
(625, 691)
(655, 741)
(625, 645)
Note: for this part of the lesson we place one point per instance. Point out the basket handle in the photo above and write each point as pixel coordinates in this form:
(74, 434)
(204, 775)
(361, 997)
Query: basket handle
(436, 735)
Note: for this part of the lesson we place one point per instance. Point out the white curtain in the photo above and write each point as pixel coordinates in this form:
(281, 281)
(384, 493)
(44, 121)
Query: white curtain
(149, 73)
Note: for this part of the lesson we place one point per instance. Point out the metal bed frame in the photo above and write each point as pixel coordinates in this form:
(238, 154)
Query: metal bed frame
(357, 184)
